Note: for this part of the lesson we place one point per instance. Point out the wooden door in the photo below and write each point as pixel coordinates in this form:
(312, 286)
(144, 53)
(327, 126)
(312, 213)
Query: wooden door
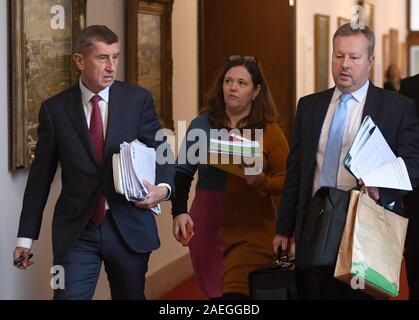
(261, 28)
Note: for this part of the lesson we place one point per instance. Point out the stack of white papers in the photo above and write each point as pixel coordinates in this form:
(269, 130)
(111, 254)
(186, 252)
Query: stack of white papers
(229, 156)
(131, 166)
(245, 148)
(371, 159)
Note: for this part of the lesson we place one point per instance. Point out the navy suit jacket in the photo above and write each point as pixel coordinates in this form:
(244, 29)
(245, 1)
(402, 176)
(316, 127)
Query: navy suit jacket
(63, 138)
(409, 87)
(393, 114)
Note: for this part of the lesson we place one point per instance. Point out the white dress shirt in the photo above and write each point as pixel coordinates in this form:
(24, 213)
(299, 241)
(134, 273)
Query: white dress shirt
(345, 180)
(86, 96)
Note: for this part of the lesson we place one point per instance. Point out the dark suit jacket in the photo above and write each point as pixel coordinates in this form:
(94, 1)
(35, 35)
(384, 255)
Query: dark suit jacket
(389, 86)
(409, 87)
(64, 138)
(392, 113)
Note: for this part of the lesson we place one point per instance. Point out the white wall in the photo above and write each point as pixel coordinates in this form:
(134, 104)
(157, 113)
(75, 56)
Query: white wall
(110, 13)
(388, 14)
(34, 283)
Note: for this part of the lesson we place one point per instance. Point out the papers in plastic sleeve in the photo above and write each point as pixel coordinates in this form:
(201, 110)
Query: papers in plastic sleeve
(238, 156)
(134, 164)
(246, 148)
(371, 159)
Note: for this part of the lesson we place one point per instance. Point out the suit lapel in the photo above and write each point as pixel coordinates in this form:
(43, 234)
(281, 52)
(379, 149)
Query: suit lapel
(74, 108)
(372, 102)
(115, 114)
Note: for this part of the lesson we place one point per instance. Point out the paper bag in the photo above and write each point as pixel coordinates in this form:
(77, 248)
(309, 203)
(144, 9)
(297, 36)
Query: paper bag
(371, 249)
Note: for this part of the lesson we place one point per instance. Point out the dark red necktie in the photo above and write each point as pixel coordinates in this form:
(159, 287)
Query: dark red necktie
(96, 133)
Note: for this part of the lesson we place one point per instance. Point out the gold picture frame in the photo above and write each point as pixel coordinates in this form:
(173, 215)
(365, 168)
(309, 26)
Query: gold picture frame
(394, 46)
(369, 20)
(391, 51)
(386, 54)
(149, 52)
(41, 41)
(321, 52)
(369, 14)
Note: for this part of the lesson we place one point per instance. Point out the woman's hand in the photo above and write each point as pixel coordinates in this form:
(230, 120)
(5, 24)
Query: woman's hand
(254, 180)
(183, 228)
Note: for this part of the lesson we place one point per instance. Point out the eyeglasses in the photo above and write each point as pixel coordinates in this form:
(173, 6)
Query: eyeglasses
(243, 58)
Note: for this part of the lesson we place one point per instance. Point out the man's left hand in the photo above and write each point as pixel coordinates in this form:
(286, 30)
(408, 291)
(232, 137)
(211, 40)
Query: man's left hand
(373, 192)
(156, 194)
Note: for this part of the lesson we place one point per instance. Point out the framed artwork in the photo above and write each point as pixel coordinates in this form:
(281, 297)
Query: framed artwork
(321, 52)
(41, 40)
(149, 52)
(342, 21)
(369, 11)
(402, 59)
(413, 15)
(412, 41)
(369, 20)
(391, 50)
(386, 54)
(394, 46)
(414, 60)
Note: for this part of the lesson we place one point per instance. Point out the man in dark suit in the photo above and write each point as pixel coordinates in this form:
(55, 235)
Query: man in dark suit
(81, 128)
(409, 87)
(311, 164)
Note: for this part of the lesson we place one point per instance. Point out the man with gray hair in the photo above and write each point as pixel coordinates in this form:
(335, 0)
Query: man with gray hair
(325, 126)
(81, 128)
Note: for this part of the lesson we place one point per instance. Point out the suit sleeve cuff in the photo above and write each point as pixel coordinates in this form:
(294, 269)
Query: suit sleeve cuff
(169, 189)
(24, 243)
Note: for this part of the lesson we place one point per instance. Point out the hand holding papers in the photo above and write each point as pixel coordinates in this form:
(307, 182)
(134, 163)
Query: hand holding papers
(134, 164)
(371, 159)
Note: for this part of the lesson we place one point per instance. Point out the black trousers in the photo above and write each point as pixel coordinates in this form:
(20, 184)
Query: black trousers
(316, 285)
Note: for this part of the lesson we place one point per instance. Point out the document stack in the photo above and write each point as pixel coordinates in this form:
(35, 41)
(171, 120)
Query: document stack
(371, 159)
(134, 164)
(231, 156)
(245, 148)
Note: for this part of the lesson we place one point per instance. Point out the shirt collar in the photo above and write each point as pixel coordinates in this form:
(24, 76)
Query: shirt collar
(359, 95)
(87, 95)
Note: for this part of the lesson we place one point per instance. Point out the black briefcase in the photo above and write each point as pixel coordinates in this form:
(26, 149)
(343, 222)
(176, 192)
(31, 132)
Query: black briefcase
(322, 229)
(274, 282)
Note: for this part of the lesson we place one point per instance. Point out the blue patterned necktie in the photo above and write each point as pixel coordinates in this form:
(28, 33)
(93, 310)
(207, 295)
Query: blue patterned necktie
(331, 159)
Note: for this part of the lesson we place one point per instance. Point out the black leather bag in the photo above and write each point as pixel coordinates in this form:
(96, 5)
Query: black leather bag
(275, 281)
(322, 229)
